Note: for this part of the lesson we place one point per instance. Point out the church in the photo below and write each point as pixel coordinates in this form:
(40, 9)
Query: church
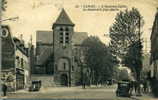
(59, 54)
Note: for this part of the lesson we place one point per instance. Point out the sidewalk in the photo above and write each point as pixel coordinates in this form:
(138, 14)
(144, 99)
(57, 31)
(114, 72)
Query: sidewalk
(68, 93)
(144, 97)
(59, 89)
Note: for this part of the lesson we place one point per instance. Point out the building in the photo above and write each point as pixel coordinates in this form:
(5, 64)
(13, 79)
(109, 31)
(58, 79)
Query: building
(154, 48)
(21, 64)
(8, 58)
(15, 62)
(44, 52)
(57, 53)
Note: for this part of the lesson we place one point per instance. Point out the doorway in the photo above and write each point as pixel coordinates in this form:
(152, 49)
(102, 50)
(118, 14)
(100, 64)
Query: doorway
(64, 80)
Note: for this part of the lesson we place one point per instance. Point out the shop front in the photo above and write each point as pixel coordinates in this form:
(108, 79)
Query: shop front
(19, 79)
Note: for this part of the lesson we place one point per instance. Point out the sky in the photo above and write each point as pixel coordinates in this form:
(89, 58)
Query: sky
(41, 14)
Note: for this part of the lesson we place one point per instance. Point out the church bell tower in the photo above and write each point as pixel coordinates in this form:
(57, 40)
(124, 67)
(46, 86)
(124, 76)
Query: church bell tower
(63, 29)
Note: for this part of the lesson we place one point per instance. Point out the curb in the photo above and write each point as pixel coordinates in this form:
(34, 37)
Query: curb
(144, 98)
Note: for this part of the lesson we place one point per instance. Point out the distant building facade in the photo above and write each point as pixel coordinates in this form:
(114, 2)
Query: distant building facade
(21, 64)
(154, 48)
(57, 52)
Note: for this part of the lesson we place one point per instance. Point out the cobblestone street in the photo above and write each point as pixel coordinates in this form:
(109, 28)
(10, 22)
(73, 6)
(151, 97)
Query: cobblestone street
(77, 93)
(105, 93)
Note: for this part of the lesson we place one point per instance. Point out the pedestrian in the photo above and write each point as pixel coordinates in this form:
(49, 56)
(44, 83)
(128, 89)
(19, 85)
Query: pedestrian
(135, 86)
(141, 87)
(131, 87)
(4, 89)
(83, 85)
(145, 86)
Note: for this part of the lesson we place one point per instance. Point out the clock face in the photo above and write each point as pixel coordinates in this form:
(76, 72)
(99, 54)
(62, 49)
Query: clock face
(4, 32)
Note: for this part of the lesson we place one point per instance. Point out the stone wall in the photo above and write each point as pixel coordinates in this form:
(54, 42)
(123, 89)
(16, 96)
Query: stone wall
(47, 80)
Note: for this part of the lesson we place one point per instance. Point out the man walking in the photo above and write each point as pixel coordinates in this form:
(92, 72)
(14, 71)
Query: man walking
(131, 87)
(4, 89)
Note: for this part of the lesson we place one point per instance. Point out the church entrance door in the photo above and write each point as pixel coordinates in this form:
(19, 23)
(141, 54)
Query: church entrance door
(64, 80)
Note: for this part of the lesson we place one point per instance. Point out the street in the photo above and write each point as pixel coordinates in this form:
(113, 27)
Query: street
(105, 93)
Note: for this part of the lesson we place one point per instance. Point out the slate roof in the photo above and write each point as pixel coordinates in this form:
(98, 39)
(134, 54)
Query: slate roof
(44, 55)
(79, 37)
(63, 19)
(45, 37)
(20, 45)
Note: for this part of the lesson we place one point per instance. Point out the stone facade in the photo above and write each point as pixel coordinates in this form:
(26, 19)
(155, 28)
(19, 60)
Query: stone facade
(21, 64)
(63, 30)
(154, 48)
(15, 62)
(8, 61)
(44, 53)
(58, 50)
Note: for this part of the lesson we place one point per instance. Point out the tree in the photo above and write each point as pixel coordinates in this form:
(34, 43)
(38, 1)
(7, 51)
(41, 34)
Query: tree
(133, 58)
(98, 59)
(125, 37)
(125, 31)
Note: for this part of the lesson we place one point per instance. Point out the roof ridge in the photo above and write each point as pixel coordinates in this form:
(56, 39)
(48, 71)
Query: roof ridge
(63, 18)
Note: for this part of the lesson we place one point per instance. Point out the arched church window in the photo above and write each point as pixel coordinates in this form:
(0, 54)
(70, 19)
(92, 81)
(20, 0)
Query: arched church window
(61, 33)
(67, 34)
(64, 35)
(64, 64)
(61, 29)
(67, 29)
(67, 38)
(61, 37)
(72, 68)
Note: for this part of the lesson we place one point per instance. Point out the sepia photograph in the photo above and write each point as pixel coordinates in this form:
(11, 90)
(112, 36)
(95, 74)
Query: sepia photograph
(79, 49)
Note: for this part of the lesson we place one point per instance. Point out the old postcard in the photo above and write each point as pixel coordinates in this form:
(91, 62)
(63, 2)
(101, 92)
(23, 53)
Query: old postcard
(79, 49)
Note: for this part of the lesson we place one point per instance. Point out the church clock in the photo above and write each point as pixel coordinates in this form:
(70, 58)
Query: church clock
(5, 32)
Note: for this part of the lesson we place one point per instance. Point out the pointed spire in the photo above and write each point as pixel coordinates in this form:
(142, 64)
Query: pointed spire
(63, 19)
